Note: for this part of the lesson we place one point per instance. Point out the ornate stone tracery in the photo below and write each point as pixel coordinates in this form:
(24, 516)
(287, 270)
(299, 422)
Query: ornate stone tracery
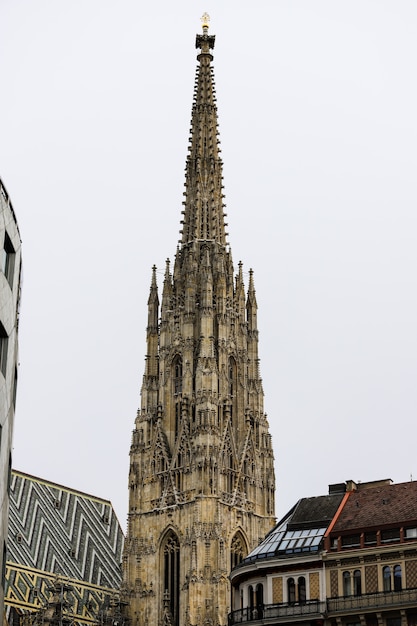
(201, 456)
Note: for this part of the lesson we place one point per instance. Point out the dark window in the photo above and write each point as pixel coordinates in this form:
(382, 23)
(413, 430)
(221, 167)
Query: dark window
(232, 386)
(3, 568)
(7, 260)
(171, 553)
(370, 538)
(386, 574)
(237, 551)
(351, 541)
(177, 375)
(14, 388)
(250, 599)
(9, 474)
(393, 534)
(291, 590)
(259, 600)
(347, 588)
(357, 583)
(397, 578)
(302, 597)
(4, 344)
(177, 417)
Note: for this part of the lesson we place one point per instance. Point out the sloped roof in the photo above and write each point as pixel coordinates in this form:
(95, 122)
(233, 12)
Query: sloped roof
(59, 530)
(316, 511)
(382, 505)
(301, 530)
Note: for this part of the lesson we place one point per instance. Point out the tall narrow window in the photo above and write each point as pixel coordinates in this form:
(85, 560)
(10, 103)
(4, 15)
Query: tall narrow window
(230, 474)
(4, 344)
(357, 583)
(237, 551)
(386, 574)
(232, 387)
(14, 387)
(7, 259)
(291, 590)
(302, 593)
(259, 593)
(250, 600)
(171, 552)
(3, 566)
(397, 578)
(177, 416)
(177, 375)
(347, 589)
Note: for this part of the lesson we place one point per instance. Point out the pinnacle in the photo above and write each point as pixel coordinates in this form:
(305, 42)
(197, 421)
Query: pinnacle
(204, 217)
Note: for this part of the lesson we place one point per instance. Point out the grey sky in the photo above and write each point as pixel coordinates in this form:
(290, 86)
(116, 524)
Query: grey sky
(317, 107)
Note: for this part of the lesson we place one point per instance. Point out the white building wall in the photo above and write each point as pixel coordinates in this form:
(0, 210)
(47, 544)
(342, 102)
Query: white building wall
(10, 272)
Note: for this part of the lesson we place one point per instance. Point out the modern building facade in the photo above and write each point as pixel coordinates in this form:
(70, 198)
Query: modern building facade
(359, 568)
(64, 554)
(9, 318)
(201, 478)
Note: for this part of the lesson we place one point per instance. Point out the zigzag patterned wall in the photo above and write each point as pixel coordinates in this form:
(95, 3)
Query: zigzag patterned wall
(28, 590)
(54, 530)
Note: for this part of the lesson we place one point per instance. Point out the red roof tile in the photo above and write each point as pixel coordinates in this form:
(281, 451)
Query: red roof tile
(384, 505)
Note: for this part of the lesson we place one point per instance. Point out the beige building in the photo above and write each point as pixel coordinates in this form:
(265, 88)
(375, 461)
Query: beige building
(346, 559)
(283, 580)
(201, 464)
(371, 556)
(9, 317)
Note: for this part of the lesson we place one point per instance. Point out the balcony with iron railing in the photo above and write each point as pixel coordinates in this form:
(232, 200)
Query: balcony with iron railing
(279, 612)
(372, 601)
(315, 610)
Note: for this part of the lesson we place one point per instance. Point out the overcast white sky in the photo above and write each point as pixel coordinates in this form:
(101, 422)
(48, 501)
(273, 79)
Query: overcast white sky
(317, 107)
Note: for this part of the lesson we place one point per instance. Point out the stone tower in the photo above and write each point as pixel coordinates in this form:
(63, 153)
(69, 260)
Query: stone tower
(201, 480)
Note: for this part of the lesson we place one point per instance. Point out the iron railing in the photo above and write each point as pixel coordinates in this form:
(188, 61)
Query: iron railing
(369, 601)
(319, 610)
(312, 609)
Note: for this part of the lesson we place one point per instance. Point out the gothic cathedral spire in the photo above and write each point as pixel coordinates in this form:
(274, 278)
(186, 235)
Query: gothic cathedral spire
(201, 480)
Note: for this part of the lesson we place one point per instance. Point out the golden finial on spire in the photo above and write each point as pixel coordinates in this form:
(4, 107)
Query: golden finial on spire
(205, 20)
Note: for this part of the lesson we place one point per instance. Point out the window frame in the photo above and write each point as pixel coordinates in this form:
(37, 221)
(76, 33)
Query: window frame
(8, 259)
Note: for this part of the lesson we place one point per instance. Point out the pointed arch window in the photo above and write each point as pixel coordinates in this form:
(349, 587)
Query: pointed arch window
(237, 551)
(177, 368)
(171, 565)
(232, 380)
